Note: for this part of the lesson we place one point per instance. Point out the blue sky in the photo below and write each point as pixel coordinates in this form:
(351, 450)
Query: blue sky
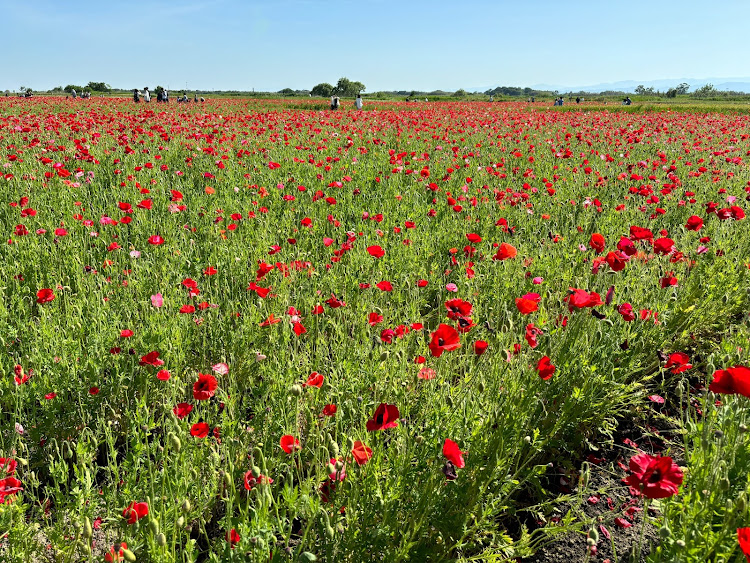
(404, 45)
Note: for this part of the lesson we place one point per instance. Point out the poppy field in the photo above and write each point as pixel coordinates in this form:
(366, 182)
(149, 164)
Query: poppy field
(261, 331)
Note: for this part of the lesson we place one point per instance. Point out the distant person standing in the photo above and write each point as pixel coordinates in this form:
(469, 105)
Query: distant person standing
(358, 102)
(195, 98)
(74, 93)
(165, 96)
(335, 102)
(136, 95)
(146, 95)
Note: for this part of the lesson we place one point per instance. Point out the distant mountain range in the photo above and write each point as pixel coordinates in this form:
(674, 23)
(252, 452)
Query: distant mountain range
(736, 84)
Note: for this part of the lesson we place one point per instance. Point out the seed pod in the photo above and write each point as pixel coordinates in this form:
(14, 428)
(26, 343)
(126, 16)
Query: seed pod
(180, 522)
(594, 534)
(185, 507)
(295, 390)
(67, 452)
(88, 531)
(334, 447)
(128, 555)
(174, 441)
(161, 540)
(741, 504)
(153, 523)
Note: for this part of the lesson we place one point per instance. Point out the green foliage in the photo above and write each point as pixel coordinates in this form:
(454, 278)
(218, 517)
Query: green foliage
(323, 89)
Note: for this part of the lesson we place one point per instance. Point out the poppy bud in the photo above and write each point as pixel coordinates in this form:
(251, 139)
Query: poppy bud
(174, 441)
(724, 484)
(330, 532)
(22, 461)
(527, 440)
(741, 504)
(331, 468)
(334, 447)
(680, 543)
(227, 480)
(591, 542)
(295, 390)
(419, 438)
(185, 506)
(153, 523)
(308, 557)
(84, 546)
(481, 387)
(180, 522)
(128, 555)
(67, 452)
(594, 534)
(161, 540)
(339, 465)
(349, 444)
(664, 532)
(255, 471)
(87, 529)
(743, 428)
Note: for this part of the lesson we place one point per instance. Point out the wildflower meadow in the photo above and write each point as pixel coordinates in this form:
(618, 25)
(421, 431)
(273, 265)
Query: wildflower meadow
(259, 330)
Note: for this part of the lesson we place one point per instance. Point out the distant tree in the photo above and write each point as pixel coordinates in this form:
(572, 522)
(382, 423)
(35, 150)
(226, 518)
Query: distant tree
(643, 91)
(70, 87)
(672, 93)
(705, 91)
(57, 89)
(98, 87)
(460, 93)
(347, 88)
(683, 88)
(287, 92)
(323, 89)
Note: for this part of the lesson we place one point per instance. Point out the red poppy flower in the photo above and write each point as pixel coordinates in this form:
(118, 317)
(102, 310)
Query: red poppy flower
(361, 453)
(375, 251)
(187, 309)
(135, 511)
(205, 387)
(329, 410)
(251, 481)
(639, 233)
(545, 368)
(163, 375)
(597, 242)
(199, 430)
(731, 381)
(156, 240)
(385, 416)
(626, 310)
(694, 223)
(422, 283)
(527, 305)
(289, 443)
(315, 379)
(655, 477)
(151, 359)
(663, 246)
(233, 538)
(116, 553)
(743, 538)
(444, 339)
(181, 410)
(44, 296)
(474, 238)
(505, 251)
(531, 334)
(458, 308)
(580, 298)
(453, 454)
(617, 260)
(480, 347)
(9, 486)
(126, 333)
(679, 362)
(374, 319)
(384, 286)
